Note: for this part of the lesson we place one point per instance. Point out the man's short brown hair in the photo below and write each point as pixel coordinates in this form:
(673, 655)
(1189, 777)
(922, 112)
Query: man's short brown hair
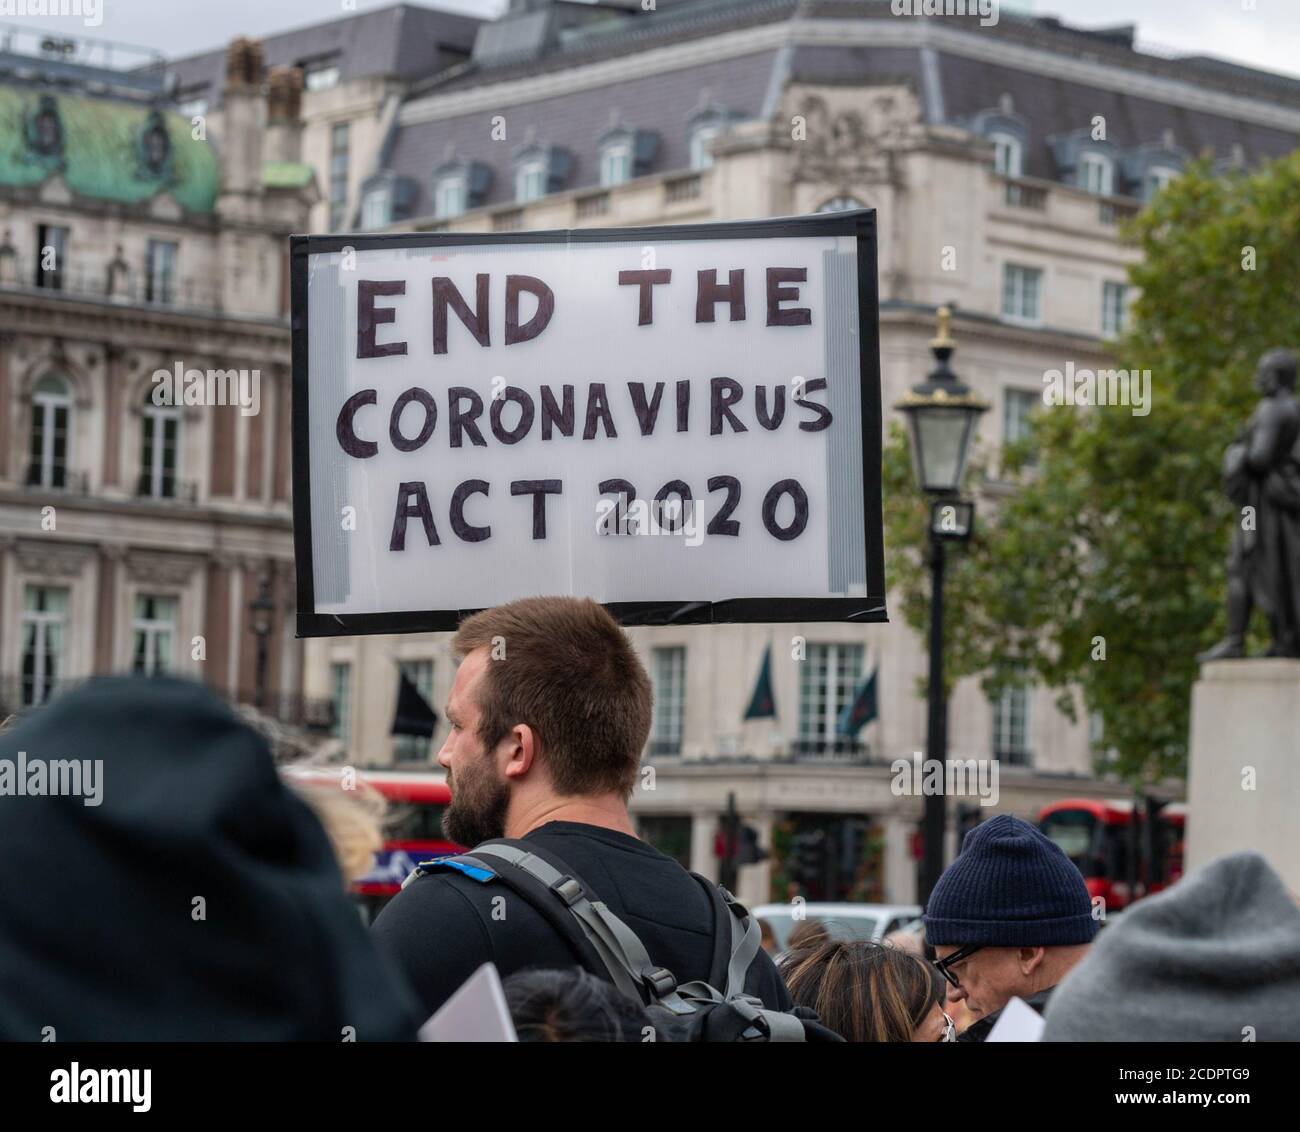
(563, 666)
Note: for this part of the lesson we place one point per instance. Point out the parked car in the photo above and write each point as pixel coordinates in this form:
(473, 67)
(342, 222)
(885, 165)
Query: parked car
(842, 920)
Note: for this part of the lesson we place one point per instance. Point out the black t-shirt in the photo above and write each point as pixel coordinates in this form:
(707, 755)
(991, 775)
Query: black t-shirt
(441, 928)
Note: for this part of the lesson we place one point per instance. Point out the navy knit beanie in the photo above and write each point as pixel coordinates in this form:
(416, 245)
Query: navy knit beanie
(1010, 886)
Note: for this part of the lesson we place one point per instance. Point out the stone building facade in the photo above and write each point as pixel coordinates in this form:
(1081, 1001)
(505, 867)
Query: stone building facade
(138, 527)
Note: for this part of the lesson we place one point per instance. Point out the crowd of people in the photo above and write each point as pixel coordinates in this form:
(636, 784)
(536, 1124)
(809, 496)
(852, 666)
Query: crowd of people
(204, 896)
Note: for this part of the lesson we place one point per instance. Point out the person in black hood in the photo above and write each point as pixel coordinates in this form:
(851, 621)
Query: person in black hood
(183, 894)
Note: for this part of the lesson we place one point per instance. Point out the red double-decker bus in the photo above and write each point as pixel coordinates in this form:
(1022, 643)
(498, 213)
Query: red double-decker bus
(412, 826)
(1122, 854)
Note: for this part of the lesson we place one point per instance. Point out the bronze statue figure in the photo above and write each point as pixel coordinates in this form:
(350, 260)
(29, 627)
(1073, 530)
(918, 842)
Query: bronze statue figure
(1261, 474)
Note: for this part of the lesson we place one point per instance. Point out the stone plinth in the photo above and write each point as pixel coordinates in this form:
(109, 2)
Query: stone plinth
(1246, 725)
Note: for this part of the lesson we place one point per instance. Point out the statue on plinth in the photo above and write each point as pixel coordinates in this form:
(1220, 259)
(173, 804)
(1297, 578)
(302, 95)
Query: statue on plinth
(1261, 475)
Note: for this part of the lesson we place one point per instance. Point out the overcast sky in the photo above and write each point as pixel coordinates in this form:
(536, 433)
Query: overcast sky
(1262, 33)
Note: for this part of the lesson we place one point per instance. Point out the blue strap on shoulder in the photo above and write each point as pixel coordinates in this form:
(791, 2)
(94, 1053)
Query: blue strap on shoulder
(471, 867)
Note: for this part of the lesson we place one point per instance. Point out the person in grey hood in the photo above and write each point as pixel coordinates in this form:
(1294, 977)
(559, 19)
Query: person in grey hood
(172, 888)
(1216, 958)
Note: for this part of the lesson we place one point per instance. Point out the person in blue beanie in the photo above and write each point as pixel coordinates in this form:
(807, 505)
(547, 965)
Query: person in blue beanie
(1008, 919)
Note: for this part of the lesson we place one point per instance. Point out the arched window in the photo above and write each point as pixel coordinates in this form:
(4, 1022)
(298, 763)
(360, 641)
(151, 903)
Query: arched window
(159, 445)
(51, 423)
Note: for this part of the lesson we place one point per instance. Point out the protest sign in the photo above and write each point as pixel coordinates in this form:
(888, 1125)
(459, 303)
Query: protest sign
(682, 423)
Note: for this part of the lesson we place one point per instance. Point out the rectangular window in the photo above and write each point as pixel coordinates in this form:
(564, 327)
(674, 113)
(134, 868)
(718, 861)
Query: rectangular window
(1011, 727)
(338, 176)
(341, 694)
(449, 198)
(1006, 155)
(51, 409)
(160, 272)
(374, 209)
(1017, 404)
(51, 248)
(45, 617)
(1022, 293)
(414, 748)
(154, 631)
(158, 452)
(828, 679)
(615, 165)
(1096, 174)
(669, 668)
(530, 182)
(1114, 309)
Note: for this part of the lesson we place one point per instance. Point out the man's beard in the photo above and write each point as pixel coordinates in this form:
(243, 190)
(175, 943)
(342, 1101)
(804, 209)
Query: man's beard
(478, 805)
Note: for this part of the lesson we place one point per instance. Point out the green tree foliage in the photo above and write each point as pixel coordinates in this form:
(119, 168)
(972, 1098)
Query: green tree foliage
(1114, 541)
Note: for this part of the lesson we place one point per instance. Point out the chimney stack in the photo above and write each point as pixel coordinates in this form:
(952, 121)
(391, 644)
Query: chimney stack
(243, 112)
(284, 114)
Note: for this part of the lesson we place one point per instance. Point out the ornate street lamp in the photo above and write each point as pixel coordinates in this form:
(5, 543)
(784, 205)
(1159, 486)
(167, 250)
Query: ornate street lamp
(942, 413)
(261, 610)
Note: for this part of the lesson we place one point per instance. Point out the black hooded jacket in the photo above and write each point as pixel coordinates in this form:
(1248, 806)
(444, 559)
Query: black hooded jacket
(200, 900)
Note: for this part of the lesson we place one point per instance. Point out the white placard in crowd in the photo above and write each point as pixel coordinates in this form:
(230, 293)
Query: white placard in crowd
(682, 423)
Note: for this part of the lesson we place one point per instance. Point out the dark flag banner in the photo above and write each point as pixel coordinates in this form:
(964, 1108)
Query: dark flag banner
(762, 704)
(414, 715)
(861, 711)
(688, 429)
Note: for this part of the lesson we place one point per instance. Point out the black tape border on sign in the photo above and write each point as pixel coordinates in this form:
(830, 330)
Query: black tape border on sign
(860, 223)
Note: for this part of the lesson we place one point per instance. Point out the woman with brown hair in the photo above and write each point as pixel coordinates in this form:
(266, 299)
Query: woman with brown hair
(869, 992)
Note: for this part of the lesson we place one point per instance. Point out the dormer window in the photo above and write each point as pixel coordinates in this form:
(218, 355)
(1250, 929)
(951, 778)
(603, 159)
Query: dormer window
(701, 142)
(625, 153)
(375, 206)
(702, 129)
(540, 170)
(320, 77)
(459, 186)
(1096, 174)
(385, 199)
(530, 180)
(1158, 176)
(616, 163)
(449, 197)
(1008, 154)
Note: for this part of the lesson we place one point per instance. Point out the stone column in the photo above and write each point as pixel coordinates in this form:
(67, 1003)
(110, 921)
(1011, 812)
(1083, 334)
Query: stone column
(900, 866)
(216, 623)
(7, 408)
(110, 561)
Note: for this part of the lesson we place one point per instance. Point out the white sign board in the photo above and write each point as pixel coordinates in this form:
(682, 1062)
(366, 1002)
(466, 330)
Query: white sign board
(682, 423)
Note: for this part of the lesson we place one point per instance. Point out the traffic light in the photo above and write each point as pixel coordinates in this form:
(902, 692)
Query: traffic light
(808, 859)
(751, 852)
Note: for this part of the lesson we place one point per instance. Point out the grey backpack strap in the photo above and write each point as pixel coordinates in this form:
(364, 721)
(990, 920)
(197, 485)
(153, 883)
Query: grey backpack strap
(617, 945)
(746, 939)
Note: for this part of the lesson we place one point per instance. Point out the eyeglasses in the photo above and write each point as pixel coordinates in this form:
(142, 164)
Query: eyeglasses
(944, 966)
(949, 1029)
